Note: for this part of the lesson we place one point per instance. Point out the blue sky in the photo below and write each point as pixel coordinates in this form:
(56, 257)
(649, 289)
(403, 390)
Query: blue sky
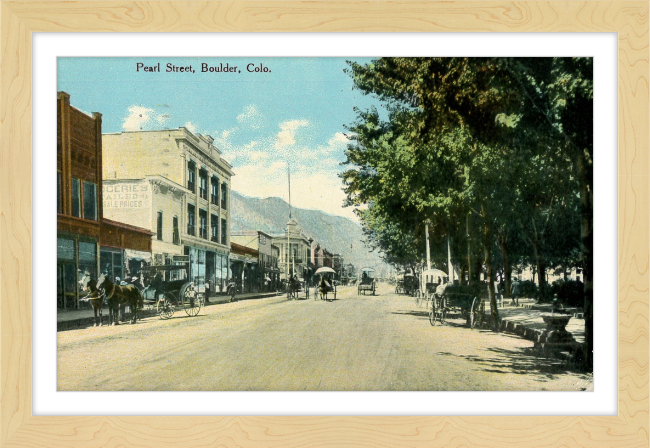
(260, 120)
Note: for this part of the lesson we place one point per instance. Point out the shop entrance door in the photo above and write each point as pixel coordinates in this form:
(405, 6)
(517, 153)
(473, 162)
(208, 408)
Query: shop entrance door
(66, 286)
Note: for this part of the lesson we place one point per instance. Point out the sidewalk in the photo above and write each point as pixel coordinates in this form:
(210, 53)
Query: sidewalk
(70, 320)
(526, 321)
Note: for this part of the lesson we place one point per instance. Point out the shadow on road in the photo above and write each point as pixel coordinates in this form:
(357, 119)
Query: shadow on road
(412, 313)
(522, 361)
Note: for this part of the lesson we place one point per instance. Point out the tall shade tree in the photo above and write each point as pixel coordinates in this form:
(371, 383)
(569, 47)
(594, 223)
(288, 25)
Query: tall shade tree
(468, 134)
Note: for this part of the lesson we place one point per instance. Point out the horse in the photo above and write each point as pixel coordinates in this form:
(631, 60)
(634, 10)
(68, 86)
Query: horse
(95, 297)
(118, 295)
(324, 287)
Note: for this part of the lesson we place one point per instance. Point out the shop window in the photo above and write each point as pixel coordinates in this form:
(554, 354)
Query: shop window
(88, 258)
(65, 249)
(111, 263)
(191, 219)
(159, 226)
(90, 201)
(76, 198)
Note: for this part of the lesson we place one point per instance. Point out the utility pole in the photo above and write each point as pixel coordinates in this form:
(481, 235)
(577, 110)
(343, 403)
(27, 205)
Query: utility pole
(451, 268)
(469, 253)
(288, 228)
(426, 234)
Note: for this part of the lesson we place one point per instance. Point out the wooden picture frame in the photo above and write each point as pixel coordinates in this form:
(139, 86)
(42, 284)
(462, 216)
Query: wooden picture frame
(19, 428)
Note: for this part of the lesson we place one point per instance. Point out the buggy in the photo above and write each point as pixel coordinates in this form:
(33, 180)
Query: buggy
(463, 300)
(366, 283)
(168, 288)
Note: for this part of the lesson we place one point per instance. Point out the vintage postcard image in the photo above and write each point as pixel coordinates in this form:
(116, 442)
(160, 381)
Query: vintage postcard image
(308, 224)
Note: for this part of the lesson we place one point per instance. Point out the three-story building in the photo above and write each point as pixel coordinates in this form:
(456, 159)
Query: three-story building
(189, 196)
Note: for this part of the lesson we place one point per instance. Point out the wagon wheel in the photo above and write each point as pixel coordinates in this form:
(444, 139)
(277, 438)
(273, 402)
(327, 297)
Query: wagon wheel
(190, 299)
(472, 319)
(432, 313)
(165, 307)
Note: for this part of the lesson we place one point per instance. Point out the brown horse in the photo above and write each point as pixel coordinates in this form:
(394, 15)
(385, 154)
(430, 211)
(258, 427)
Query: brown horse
(95, 297)
(118, 295)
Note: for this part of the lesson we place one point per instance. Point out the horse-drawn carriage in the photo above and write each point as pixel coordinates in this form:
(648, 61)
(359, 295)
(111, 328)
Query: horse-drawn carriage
(297, 288)
(168, 288)
(326, 284)
(366, 282)
(462, 300)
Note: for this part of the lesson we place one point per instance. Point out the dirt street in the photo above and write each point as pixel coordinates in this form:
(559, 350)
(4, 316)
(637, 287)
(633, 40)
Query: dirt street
(381, 342)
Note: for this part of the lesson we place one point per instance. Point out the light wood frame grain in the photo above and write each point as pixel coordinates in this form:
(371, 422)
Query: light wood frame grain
(18, 428)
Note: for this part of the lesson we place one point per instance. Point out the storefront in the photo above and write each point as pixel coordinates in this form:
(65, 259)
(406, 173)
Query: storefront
(75, 255)
(124, 250)
(208, 269)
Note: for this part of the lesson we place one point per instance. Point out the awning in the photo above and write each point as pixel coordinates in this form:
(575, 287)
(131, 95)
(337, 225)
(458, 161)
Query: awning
(138, 255)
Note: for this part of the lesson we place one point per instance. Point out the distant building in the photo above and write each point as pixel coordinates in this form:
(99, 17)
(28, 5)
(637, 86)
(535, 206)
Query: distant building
(188, 184)
(294, 251)
(269, 274)
(82, 232)
(244, 267)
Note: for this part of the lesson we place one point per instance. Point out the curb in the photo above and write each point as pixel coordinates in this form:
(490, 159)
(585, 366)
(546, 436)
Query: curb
(538, 337)
(84, 322)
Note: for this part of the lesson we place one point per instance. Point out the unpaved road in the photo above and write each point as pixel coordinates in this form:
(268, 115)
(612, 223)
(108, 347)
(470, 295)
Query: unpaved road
(354, 343)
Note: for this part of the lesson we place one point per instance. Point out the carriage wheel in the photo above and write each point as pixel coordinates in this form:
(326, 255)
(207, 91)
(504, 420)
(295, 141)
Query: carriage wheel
(476, 313)
(442, 315)
(165, 307)
(191, 299)
(432, 313)
(472, 319)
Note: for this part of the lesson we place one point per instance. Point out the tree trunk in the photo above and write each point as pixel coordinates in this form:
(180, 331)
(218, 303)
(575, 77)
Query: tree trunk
(506, 267)
(541, 266)
(490, 271)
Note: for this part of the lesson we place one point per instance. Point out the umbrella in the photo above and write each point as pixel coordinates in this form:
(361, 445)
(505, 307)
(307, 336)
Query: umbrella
(324, 270)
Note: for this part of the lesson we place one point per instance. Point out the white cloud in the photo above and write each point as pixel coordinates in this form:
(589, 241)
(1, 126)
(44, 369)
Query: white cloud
(338, 140)
(140, 118)
(190, 127)
(319, 189)
(250, 117)
(286, 136)
(222, 140)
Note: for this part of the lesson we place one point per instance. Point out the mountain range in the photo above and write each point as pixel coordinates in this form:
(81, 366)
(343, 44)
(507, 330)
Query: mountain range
(337, 234)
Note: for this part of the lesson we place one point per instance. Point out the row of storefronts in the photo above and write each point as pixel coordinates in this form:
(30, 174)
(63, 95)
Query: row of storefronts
(133, 199)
